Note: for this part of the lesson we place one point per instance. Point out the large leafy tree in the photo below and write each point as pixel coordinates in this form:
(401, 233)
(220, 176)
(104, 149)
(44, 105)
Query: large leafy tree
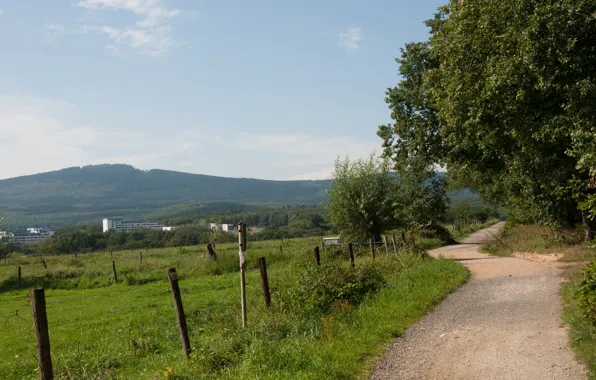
(511, 87)
(414, 142)
(361, 198)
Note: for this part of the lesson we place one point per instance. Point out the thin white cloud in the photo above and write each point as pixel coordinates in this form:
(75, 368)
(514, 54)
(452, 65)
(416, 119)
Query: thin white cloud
(53, 31)
(349, 39)
(151, 33)
(38, 135)
(305, 156)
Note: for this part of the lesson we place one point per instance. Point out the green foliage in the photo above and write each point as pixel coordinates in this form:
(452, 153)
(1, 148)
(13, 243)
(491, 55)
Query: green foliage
(413, 141)
(586, 293)
(421, 198)
(582, 330)
(362, 198)
(329, 285)
(501, 97)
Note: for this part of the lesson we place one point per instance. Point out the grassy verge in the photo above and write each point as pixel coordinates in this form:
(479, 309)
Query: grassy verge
(582, 333)
(540, 240)
(100, 329)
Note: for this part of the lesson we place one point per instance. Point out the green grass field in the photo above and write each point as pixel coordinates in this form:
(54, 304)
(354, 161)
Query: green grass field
(100, 329)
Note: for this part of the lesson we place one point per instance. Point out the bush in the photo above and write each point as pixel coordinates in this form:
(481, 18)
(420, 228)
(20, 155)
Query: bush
(322, 288)
(586, 293)
(436, 231)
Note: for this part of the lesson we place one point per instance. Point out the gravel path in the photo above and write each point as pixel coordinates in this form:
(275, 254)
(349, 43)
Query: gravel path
(503, 324)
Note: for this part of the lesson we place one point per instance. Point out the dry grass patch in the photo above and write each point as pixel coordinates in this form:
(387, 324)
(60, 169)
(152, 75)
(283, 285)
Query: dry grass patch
(532, 241)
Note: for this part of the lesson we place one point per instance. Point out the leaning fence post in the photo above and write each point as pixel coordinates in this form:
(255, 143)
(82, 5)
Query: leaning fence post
(19, 276)
(180, 316)
(114, 270)
(317, 254)
(42, 335)
(351, 253)
(386, 245)
(264, 280)
(372, 248)
(394, 245)
(45, 266)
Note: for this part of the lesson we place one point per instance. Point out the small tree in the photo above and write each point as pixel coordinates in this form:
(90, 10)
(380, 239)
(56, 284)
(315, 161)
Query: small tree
(362, 198)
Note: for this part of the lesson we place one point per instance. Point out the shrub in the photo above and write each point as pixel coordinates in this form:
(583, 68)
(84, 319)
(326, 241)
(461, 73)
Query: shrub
(586, 293)
(433, 231)
(322, 288)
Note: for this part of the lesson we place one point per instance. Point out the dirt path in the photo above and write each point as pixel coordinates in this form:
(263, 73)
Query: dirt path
(503, 324)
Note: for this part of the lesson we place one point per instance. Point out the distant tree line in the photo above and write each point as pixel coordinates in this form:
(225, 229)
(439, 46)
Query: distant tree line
(268, 223)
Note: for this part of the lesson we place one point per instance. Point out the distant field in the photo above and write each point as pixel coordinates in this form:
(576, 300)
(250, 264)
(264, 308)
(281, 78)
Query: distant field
(99, 329)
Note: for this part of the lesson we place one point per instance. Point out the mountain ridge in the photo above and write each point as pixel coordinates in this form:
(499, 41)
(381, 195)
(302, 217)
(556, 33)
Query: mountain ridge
(88, 193)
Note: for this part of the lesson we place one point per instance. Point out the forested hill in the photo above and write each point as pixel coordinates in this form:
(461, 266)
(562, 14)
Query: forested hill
(87, 193)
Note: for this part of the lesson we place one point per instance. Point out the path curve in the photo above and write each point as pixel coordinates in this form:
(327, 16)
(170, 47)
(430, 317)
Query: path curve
(504, 324)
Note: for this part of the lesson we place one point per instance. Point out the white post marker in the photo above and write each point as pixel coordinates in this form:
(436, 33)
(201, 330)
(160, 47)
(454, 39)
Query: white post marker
(241, 253)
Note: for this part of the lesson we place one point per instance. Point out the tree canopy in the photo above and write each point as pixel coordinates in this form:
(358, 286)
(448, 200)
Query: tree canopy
(362, 198)
(503, 96)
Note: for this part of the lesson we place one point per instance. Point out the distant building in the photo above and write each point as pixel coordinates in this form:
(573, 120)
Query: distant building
(32, 235)
(128, 225)
(213, 226)
(332, 241)
(228, 227)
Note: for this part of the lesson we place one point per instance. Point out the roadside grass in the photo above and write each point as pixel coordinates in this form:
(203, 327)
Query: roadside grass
(100, 329)
(582, 333)
(540, 240)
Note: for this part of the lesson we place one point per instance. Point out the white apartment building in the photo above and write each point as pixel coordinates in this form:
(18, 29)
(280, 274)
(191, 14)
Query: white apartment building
(128, 225)
(33, 235)
(228, 227)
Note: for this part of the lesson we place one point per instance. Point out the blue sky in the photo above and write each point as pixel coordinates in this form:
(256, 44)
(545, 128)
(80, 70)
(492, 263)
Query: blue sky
(264, 89)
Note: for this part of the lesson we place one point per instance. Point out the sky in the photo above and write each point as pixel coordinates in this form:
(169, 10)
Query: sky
(273, 89)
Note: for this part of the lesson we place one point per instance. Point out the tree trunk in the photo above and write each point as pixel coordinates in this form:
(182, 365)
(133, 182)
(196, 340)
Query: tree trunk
(589, 225)
(377, 237)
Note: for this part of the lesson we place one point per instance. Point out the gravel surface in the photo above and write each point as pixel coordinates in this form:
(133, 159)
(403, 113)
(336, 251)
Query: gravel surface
(503, 324)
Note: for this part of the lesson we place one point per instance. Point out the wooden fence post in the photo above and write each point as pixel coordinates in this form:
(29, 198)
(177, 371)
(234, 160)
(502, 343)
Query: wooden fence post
(19, 276)
(211, 251)
(45, 266)
(372, 248)
(386, 245)
(281, 249)
(394, 244)
(351, 253)
(264, 280)
(180, 316)
(141, 258)
(317, 254)
(241, 253)
(114, 270)
(42, 335)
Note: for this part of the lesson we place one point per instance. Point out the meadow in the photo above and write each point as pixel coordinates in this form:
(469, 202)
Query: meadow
(324, 322)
